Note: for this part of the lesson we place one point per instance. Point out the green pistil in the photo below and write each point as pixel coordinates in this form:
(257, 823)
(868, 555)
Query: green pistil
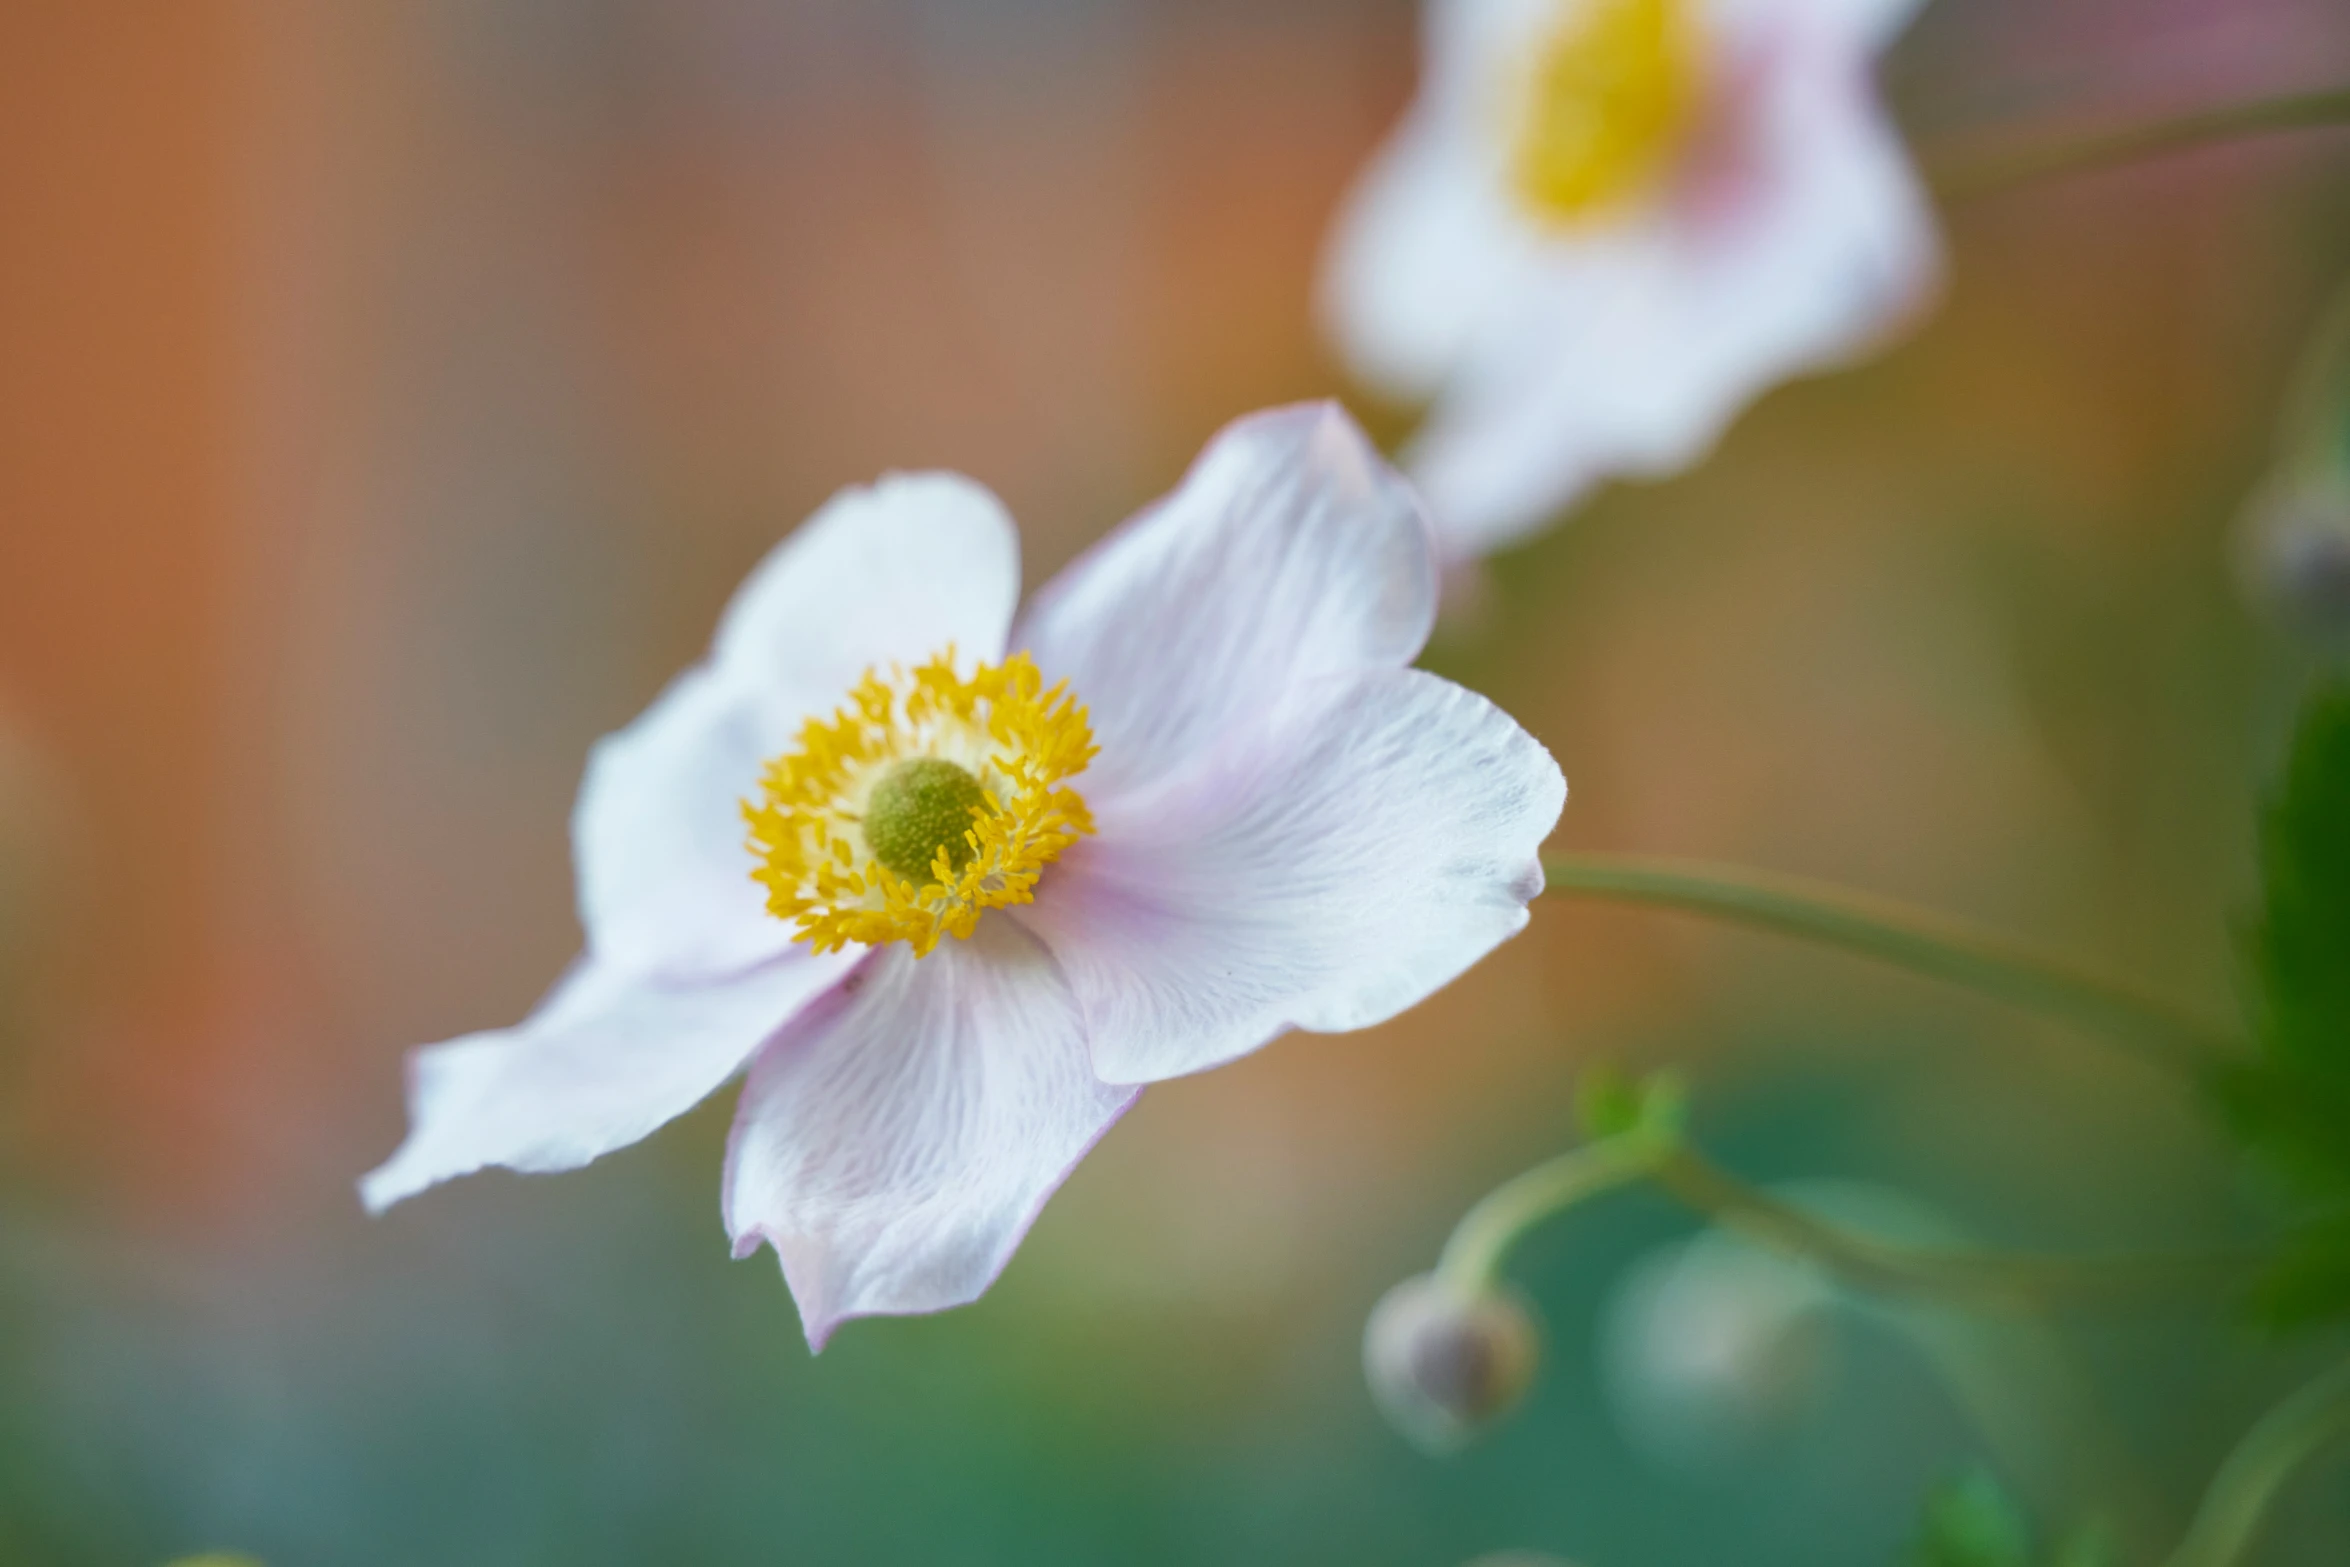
(919, 808)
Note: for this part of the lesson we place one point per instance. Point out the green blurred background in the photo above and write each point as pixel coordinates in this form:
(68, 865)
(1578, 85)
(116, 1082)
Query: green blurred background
(391, 392)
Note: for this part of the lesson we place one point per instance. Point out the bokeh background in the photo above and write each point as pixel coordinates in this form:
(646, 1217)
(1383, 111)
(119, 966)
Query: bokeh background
(391, 392)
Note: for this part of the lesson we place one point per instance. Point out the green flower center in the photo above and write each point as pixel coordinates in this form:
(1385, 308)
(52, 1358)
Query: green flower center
(920, 808)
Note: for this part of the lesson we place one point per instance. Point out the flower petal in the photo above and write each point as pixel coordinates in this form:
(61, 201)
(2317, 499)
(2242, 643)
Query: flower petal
(604, 1060)
(1428, 238)
(1288, 553)
(1807, 244)
(1347, 858)
(896, 1143)
(1873, 23)
(1422, 246)
(664, 877)
(893, 572)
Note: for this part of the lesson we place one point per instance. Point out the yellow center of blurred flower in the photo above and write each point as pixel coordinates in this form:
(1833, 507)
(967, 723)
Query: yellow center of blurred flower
(927, 799)
(1605, 107)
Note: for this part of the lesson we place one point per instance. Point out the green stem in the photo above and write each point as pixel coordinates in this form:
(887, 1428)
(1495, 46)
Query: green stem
(1923, 942)
(1482, 1240)
(1977, 174)
(2019, 1281)
(1481, 1243)
(2241, 1494)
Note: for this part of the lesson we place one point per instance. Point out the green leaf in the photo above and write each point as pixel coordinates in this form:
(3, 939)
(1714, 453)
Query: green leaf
(1607, 1101)
(2291, 1106)
(2086, 1545)
(1971, 1521)
(2300, 949)
(2314, 431)
(2310, 1283)
(1610, 1103)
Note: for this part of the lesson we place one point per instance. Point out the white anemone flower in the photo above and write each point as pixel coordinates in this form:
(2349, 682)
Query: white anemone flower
(999, 872)
(1606, 225)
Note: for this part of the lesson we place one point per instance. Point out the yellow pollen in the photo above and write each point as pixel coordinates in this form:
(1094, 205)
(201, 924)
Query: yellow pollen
(927, 799)
(1605, 107)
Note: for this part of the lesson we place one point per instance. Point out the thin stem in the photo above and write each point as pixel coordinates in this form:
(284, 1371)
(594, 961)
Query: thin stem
(1915, 939)
(1959, 177)
(1482, 1240)
(1487, 1233)
(2000, 1280)
(2271, 1453)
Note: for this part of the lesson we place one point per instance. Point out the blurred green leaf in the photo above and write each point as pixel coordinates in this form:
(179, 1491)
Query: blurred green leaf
(1610, 1102)
(2087, 1545)
(2310, 1283)
(1607, 1101)
(2314, 431)
(2292, 1105)
(1971, 1521)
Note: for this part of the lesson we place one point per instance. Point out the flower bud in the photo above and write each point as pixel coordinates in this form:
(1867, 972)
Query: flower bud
(1710, 1346)
(1444, 1364)
(2296, 543)
(1714, 1345)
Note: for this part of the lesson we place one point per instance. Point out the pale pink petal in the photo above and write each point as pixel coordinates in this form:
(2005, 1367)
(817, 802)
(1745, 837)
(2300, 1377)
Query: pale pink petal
(1288, 553)
(605, 1060)
(1469, 47)
(1806, 243)
(895, 1144)
(1870, 24)
(658, 836)
(894, 572)
(1422, 247)
(1429, 240)
(1331, 868)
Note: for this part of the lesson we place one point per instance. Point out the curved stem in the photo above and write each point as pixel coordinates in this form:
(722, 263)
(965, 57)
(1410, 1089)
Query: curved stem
(2271, 1453)
(1482, 1240)
(1923, 942)
(1959, 177)
(2003, 1280)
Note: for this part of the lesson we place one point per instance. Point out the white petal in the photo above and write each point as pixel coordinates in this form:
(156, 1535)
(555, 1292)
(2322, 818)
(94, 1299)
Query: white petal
(1588, 376)
(664, 875)
(1643, 342)
(1428, 240)
(895, 1144)
(1470, 48)
(894, 572)
(1348, 858)
(1288, 553)
(1423, 245)
(605, 1060)
(1869, 24)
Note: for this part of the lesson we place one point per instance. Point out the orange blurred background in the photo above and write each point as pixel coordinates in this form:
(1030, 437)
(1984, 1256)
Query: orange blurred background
(391, 394)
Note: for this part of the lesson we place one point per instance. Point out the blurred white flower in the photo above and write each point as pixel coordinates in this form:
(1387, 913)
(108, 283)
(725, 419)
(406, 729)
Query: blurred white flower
(1606, 225)
(1714, 1344)
(1710, 1345)
(989, 912)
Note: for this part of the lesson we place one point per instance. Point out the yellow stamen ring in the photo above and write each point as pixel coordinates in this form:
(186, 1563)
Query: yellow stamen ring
(927, 799)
